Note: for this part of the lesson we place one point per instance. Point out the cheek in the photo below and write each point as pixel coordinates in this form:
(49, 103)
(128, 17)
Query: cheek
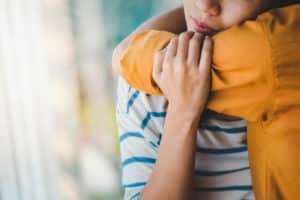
(232, 14)
(235, 12)
(187, 12)
(231, 19)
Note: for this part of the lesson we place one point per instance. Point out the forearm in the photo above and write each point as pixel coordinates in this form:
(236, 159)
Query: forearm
(172, 175)
(172, 21)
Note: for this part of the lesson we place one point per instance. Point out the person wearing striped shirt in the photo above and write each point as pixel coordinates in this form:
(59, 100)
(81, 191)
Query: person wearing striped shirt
(206, 161)
(221, 168)
(277, 190)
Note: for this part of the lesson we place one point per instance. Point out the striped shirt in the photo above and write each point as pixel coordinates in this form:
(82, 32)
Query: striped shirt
(221, 161)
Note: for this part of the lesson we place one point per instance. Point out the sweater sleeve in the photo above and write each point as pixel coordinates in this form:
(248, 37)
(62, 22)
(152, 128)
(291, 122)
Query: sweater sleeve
(137, 61)
(240, 71)
(240, 60)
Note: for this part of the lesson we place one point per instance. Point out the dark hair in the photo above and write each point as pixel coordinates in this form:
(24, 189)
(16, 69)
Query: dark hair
(281, 3)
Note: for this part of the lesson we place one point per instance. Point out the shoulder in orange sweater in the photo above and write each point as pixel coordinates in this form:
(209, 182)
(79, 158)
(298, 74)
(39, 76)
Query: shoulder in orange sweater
(255, 76)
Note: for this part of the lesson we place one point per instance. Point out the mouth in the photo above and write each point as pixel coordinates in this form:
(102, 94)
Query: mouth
(202, 28)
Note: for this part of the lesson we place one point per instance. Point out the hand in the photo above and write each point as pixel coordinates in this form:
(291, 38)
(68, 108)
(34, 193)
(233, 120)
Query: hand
(182, 70)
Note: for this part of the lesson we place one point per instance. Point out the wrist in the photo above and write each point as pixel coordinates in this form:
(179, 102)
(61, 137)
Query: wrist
(186, 110)
(184, 117)
(181, 123)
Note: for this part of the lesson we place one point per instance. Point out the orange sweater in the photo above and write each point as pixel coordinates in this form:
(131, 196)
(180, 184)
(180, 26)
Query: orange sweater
(255, 76)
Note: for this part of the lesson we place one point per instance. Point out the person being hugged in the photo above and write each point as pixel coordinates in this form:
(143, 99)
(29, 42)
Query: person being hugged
(246, 57)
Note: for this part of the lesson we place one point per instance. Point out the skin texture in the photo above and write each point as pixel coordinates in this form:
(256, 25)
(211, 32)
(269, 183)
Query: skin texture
(186, 62)
(182, 70)
(222, 14)
(183, 65)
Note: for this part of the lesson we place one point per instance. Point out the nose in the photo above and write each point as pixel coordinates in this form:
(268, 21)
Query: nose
(210, 7)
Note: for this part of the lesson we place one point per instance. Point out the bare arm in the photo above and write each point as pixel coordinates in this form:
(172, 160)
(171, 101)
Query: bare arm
(172, 175)
(183, 73)
(172, 21)
(185, 83)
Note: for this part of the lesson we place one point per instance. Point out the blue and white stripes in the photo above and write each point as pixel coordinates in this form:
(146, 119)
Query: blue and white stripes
(221, 162)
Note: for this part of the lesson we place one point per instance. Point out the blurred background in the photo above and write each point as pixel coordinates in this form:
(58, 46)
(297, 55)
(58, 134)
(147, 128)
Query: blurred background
(58, 135)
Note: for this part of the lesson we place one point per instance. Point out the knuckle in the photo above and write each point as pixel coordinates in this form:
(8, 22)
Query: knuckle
(178, 60)
(156, 60)
(158, 53)
(167, 62)
(180, 63)
(163, 50)
(173, 40)
(207, 48)
(169, 45)
(198, 36)
(185, 35)
(195, 41)
(192, 62)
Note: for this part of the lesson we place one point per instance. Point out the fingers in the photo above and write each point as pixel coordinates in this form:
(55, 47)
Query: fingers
(158, 63)
(172, 48)
(206, 56)
(183, 45)
(194, 49)
(191, 48)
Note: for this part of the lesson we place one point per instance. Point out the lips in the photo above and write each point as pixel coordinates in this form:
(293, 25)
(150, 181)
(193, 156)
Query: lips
(199, 27)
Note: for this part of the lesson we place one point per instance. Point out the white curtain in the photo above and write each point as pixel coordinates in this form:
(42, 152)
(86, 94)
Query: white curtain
(27, 164)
